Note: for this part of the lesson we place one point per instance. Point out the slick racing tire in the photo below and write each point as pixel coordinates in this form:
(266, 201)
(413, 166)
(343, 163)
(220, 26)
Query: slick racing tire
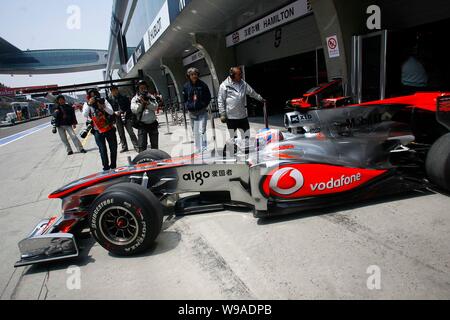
(126, 219)
(438, 162)
(150, 156)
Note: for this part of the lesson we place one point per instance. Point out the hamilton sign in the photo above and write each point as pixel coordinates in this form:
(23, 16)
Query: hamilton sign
(276, 19)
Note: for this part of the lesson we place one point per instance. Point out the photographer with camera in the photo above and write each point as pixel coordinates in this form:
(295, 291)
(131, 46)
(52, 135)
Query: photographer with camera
(99, 112)
(144, 106)
(64, 122)
(122, 110)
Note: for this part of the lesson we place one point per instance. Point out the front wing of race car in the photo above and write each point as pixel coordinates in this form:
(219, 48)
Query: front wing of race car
(43, 245)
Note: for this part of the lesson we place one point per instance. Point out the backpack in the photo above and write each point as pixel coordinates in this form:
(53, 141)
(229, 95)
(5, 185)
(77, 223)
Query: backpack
(136, 120)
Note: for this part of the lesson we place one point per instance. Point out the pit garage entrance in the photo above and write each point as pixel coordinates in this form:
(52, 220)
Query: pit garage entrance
(284, 79)
(407, 56)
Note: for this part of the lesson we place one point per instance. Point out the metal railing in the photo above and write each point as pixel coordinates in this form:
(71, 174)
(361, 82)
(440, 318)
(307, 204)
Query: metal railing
(214, 108)
(174, 112)
(178, 115)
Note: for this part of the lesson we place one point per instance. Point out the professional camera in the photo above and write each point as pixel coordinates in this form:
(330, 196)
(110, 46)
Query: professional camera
(54, 130)
(145, 96)
(98, 100)
(84, 133)
(123, 117)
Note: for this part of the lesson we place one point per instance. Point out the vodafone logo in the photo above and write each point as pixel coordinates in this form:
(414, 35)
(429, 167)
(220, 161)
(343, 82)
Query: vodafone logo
(286, 181)
(337, 183)
(302, 180)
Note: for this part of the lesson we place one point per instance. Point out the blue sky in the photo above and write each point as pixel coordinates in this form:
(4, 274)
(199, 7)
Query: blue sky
(42, 24)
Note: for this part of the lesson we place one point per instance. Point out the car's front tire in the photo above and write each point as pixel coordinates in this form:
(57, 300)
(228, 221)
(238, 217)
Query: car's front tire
(438, 162)
(150, 156)
(126, 219)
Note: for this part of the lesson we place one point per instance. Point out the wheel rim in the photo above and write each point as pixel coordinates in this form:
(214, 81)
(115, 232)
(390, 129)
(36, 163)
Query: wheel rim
(119, 226)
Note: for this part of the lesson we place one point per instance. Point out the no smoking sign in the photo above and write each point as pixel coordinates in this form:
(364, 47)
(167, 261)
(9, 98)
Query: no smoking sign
(332, 43)
(333, 47)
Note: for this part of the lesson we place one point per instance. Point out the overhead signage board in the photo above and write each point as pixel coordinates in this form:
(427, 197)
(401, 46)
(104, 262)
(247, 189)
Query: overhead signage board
(276, 19)
(168, 13)
(159, 25)
(151, 36)
(139, 52)
(7, 92)
(193, 58)
(177, 6)
(130, 64)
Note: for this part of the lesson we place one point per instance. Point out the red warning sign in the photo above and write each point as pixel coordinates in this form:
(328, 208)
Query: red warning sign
(333, 47)
(332, 43)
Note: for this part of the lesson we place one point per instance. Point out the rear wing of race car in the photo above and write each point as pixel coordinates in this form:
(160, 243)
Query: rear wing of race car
(443, 111)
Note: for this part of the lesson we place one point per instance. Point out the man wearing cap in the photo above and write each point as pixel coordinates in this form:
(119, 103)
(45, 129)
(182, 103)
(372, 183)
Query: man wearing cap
(65, 120)
(122, 110)
(144, 105)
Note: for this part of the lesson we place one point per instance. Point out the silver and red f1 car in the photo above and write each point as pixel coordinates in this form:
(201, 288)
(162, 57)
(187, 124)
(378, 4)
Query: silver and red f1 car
(328, 156)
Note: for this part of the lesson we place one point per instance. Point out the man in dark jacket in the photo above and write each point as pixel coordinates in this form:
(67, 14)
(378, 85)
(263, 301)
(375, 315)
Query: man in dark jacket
(122, 110)
(197, 98)
(65, 120)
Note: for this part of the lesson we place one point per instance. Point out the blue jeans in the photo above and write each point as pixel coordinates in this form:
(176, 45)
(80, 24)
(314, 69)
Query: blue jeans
(101, 139)
(198, 123)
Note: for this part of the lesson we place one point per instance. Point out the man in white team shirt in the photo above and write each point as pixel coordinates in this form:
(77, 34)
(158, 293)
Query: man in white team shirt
(232, 101)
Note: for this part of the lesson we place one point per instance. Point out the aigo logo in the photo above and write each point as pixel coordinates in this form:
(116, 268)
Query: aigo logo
(286, 181)
(317, 179)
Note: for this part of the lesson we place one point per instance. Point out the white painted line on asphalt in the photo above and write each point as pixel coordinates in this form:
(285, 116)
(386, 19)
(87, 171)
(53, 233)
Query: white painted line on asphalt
(85, 140)
(23, 134)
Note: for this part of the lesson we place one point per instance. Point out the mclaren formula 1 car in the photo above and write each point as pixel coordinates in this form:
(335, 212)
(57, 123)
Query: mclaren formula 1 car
(328, 156)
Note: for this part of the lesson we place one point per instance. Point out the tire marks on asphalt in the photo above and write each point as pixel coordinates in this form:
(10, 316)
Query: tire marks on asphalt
(14, 280)
(211, 262)
(345, 221)
(7, 285)
(43, 293)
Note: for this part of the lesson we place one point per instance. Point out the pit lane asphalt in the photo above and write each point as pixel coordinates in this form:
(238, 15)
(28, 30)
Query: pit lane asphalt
(12, 130)
(225, 255)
